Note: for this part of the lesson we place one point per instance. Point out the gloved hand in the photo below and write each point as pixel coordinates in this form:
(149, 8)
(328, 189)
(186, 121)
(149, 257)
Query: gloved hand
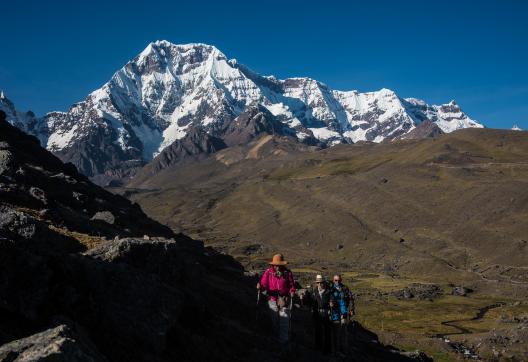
(343, 321)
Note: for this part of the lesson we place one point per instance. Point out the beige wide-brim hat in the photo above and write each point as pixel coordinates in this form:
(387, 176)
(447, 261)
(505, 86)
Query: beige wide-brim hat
(319, 278)
(278, 259)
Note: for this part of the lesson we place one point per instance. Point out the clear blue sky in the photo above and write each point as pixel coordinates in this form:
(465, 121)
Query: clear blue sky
(53, 53)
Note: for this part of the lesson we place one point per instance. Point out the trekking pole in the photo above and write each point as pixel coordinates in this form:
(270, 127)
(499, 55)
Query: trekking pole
(289, 321)
(257, 310)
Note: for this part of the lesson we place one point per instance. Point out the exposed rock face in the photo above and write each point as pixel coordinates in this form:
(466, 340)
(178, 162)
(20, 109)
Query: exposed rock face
(254, 122)
(37, 191)
(168, 90)
(197, 144)
(427, 129)
(57, 344)
(251, 123)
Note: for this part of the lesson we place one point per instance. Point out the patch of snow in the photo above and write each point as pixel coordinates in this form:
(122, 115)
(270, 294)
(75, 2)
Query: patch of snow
(324, 134)
(59, 140)
(171, 134)
(357, 135)
(301, 135)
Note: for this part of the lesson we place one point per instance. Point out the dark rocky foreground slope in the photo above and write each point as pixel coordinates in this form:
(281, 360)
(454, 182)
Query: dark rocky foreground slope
(73, 288)
(35, 186)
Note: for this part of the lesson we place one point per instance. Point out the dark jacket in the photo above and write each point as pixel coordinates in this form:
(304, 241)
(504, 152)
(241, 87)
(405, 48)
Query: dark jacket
(320, 303)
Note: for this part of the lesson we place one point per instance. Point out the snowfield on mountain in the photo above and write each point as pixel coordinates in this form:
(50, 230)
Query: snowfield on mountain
(168, 90)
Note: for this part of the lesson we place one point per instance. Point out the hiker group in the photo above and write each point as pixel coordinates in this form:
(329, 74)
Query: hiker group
(333, 308)
(331, 305)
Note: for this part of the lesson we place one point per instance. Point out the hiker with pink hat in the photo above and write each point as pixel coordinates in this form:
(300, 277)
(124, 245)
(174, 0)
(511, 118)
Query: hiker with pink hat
(278, 285)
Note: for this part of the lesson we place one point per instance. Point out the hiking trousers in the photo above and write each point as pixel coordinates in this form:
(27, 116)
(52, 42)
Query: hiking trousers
(339, 337)
(280, 320)
(322, 333)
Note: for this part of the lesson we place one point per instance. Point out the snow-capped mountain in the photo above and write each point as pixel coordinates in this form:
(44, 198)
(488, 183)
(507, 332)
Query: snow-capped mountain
(516, 128)
(26, 121)
(168, 90)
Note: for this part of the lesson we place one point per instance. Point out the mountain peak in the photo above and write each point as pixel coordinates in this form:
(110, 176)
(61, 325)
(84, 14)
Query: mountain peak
(163, 46)
(386, 91)
(170, 89)
(162, 56)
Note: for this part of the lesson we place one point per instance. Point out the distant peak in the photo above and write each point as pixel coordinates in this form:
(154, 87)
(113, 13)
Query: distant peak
(386, 92)
(164, 48)
(516, 128)
(416, 101)
(187, 46)
(162, 43)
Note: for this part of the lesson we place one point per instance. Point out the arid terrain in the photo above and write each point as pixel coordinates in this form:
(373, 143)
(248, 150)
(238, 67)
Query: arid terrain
(432, 234)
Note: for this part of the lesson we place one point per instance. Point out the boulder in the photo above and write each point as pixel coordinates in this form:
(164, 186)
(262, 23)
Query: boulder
(419, 291)
(461, 291)
(105, 216)
(38, 194)
(6, 161)
(16, 222)
(56, 344)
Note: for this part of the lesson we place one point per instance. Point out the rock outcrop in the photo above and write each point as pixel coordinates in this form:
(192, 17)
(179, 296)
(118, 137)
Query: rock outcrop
(427, 129)
(61, 344)
(38, 191)
(419, 291)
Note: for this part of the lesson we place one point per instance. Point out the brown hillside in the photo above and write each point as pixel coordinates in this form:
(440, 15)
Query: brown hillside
(448, 205)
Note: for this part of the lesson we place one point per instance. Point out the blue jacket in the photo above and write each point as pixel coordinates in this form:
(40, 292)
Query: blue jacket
(340, 307)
